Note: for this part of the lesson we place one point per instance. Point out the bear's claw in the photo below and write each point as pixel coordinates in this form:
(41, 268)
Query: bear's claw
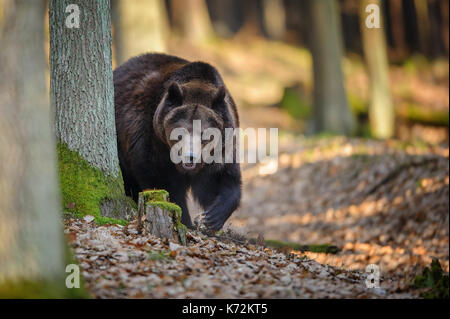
(213, 221)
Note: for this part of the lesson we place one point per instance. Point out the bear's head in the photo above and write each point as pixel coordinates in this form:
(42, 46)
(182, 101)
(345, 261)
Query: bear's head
(176, 121)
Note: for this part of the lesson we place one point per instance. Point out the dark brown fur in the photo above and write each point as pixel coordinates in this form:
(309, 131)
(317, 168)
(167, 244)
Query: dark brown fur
(155, 93)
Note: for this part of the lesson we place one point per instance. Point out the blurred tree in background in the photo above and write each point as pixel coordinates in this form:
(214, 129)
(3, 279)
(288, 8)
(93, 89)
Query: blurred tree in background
(274, 19)
(331, 110)
(225, 16)
(31, 237)
(381, 111)
(413, 34)
(423, 21)
(139, 26)
(410, 26)
(252, 24)
(444, 10)
(399, 46)
(191, 20)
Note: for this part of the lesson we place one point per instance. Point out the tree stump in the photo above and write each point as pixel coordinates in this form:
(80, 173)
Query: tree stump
(159, 217)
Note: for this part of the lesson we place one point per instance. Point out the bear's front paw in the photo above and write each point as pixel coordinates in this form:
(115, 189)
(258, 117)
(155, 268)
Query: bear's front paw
(214, 219)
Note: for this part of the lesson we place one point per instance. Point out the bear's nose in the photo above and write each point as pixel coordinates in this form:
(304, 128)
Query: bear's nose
(190, 158)
(189, 162)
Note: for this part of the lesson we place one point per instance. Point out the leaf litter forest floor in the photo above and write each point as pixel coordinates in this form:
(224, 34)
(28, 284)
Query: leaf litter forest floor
(379, 202)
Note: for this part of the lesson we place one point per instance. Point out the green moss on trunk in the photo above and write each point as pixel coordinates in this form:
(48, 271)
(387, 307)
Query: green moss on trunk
(45, 289)
(155, 195)
(28, 289)
(87, 190)
(40, 289)
(159, 198)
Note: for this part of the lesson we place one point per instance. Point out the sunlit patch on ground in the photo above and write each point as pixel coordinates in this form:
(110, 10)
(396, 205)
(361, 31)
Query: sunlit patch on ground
(380, 202)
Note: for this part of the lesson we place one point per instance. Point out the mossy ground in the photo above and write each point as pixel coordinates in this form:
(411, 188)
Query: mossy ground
(85, 188)
(322, 248)
(40, 289)
(419, 114)
(296, 104)
(161, 255)
(44, 289)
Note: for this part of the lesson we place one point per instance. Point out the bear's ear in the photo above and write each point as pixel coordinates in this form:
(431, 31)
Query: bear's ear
(175, 94)
(219, 97)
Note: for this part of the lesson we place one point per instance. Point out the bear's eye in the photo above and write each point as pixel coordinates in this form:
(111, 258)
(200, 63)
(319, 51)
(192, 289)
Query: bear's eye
(174, 95)
(219, 97)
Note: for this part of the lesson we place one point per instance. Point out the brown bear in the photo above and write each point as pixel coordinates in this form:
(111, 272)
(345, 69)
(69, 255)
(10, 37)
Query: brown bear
(154, 94)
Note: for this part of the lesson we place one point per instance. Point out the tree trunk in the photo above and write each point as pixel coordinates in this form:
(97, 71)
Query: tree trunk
(251, 27)
(2, 14)
(192, 20)
(274, 18)
(224, 16)
(331, 111)
(82, 96)
(381, 110)
(159, 217)
(398, 29)
(423, 25)
(445, 24)
(31, 237)
(140, 26)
